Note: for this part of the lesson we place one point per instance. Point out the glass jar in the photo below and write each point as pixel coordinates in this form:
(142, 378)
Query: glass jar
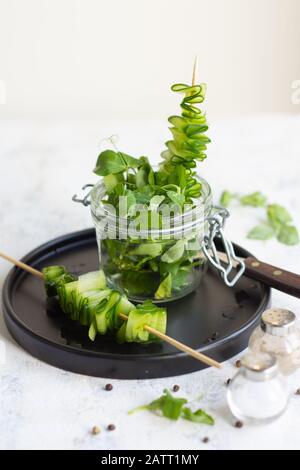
(258, 393)
(279, 335)
(161, 263)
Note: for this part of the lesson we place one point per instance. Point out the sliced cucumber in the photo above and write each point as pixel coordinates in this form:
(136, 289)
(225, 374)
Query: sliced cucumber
(103, 315)
(123, 306)
(144, 314)
(91, 281)
(89, 301)
(92, 331)
(56, 276)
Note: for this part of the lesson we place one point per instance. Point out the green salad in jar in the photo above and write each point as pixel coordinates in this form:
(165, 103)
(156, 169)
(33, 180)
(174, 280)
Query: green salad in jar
(149, 221)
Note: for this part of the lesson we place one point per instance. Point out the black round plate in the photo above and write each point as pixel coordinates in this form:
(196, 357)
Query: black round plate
(215, 319)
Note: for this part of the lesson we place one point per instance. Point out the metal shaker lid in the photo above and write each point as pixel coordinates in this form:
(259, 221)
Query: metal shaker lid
(277, 321)
(259, 366)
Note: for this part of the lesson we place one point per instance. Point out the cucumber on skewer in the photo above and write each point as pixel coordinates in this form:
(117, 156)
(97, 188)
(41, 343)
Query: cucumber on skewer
(56, 276)
(90, 302)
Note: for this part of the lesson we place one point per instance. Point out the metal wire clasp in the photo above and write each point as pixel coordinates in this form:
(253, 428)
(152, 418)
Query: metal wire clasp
(216, 225)
(85, 201)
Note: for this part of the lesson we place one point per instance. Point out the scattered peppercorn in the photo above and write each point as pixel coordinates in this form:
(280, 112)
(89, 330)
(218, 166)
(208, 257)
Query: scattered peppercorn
(108, 387)
(297, 391)
(111, 427)
(205, 440)
(239, 424)
(238, 363)
(96, 430)
(176, 388)
(228, 382)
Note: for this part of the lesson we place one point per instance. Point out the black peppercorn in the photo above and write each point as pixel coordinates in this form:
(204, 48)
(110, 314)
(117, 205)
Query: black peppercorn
(108, 387)
(111, 427)
(239, 424)
(176, 388)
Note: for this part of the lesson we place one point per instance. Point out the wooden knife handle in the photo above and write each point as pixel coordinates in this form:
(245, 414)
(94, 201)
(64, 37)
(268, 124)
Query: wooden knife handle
(278, 278)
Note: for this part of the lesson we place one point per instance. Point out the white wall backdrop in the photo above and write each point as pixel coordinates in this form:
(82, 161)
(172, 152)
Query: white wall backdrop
(84, 58)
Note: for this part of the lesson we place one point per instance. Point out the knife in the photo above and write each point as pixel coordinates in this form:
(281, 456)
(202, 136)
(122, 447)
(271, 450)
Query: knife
(280, 279)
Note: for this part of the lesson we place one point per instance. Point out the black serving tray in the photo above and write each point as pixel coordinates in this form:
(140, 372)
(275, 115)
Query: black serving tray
(215, 319)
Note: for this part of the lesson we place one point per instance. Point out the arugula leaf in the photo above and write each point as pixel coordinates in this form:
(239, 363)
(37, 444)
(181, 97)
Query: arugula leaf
(173, 408)
(169, 406)
(165, 288)
(109, 162)
(198, 416)
(279, 220)
(256, 199)
(226, 198)
(278, 215)
(288, 234)
(261, 232)
(174, 253)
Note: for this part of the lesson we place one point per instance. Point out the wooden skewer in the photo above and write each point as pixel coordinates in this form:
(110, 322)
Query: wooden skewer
(182, 347)
(195, 71)
(21, 265)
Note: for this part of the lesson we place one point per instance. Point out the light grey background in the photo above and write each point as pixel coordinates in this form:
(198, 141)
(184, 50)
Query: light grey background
(84, 58)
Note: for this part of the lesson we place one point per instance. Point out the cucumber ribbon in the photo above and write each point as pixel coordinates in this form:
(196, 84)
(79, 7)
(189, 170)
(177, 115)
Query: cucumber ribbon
(87, 299)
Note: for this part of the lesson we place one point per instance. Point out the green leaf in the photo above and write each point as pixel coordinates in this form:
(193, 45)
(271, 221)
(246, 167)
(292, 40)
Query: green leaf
(180, 279)
(174, 253)
(130, 202)
(288, 235)
(145, 176)
(261, 232)
(226, 198)
(148, 249)
(109, 162)
(111, 181)
(166, 268)
(138, 282)
(131, 162)
(255, 199)
(176, 197)
(165, 288)
(278, 215)
(169, 406)
(198, 416)
(144, 195)
(155, 202)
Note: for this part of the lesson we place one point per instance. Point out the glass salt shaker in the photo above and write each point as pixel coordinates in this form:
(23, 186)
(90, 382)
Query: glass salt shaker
(258, 393)
(279, 335)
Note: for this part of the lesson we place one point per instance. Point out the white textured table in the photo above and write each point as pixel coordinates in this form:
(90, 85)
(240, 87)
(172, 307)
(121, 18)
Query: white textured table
(42, 165)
